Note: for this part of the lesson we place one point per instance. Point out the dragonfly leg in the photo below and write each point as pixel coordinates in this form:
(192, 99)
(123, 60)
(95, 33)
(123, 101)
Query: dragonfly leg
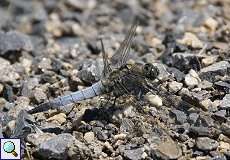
(140, 108)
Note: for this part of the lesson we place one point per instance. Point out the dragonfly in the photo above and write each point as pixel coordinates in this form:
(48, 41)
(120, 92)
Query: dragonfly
(120, 77)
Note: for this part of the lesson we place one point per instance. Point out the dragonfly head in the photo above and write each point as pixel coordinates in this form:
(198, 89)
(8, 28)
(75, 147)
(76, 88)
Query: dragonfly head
(150, 71)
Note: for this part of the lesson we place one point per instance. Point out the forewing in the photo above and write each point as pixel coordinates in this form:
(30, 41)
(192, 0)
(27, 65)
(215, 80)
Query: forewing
(122, 54)
(107, 67)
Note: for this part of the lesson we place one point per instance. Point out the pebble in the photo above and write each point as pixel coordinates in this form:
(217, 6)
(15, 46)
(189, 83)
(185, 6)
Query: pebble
(1, 88)
(82, 4)
(225, 102)
(37, 138)
(205, 104)
(209, 60)
(39, 95)
(193, 118)
(192, 79)
(225, 128)
(8, 72)
(89, 137)
(134, 154)
(224, 146)
(163, 152)
(10, 127)
(206, 144)
(45, 64)
(181, 117)
(191, 40)
(56, 147)
(14, 41)
(175, 86)
(154, 100)
(58, 118)
(209, 73)
(211, 24)
(121, 136)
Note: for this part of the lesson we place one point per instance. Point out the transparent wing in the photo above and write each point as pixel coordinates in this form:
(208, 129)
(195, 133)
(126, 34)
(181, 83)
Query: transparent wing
(122, 54)
(107, 67)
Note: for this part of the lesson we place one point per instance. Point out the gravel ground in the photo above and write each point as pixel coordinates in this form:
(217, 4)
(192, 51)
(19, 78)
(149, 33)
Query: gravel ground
(50, 48)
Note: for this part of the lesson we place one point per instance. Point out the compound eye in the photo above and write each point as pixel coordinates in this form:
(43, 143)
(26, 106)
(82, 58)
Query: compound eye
(147, 67)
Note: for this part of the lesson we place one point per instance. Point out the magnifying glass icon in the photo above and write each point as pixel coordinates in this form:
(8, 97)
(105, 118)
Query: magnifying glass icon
(9, 147)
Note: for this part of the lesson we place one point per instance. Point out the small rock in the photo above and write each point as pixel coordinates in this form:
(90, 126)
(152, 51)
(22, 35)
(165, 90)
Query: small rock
(89, 137)
(225, 102)
(185, 61)
(225, 86)
(217, 69)
(79, 150)
(100, 134)
(39, 95)
(155, 100)
(58, 118)
(56, 147)
(191, 39)
(193, 118)
(120, 136)
(1, 88)
(8, 72)
(206, 144)
(14, 41)
(134, 154)
(163, 152)
(225, 128)
(209, 60)
(10, 127)
(45, 64)
(192, 79)
(176, 73)
(175, 86)
(37, 138)
(211, 24)
(224, 145)
(181, 117)
(205, 85)
(199, 131)
(82, 4)
(205, 104)
(220, 116)
(108, 146)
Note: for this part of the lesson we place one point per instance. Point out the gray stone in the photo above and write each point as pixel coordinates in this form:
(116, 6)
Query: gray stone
(82, 4)
(8, 72)
(134, 154)
(56, 147)
(14, 41)
(79, 150)
(101, 134)
(225, 128)
(206, 144)
(193, 117)
(192, 79)
(91, 71)
(175, 86)
(180, 116)
(218, 69)
(167, 150)
(223, 86)
(37, 138)
(225, 102)
(199, 131)
(220, 115)
(176, 73)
